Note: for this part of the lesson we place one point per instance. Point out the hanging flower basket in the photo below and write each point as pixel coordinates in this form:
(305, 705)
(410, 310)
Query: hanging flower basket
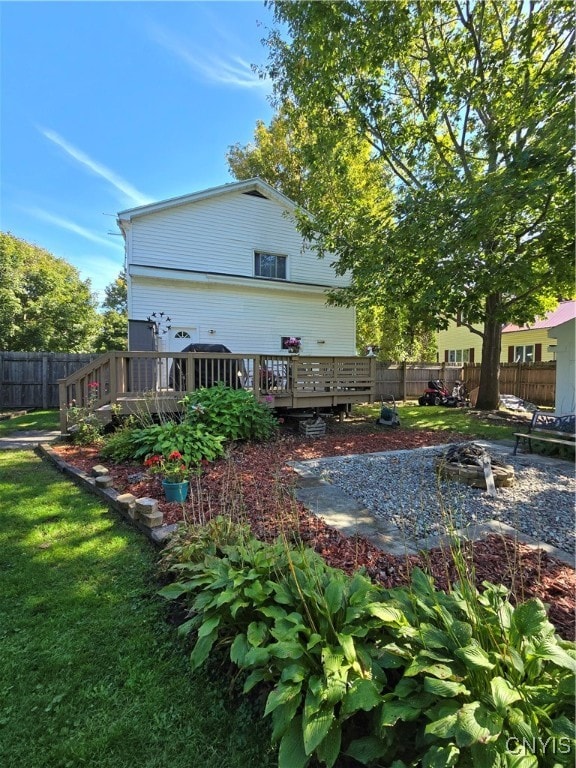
(292, 344)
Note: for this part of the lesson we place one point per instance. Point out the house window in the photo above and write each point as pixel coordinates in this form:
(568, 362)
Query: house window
(524, 354)
(181, 335)
(458, 356)
(270, 265)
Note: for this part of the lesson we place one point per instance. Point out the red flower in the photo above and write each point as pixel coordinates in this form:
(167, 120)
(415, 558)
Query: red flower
(175, 455)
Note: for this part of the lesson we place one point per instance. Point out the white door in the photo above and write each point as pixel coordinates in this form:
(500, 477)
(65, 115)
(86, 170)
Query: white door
(179, 337)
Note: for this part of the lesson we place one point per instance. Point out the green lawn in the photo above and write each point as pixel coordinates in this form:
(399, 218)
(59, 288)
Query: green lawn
(33, 420)
(92, 673)
(451, 419)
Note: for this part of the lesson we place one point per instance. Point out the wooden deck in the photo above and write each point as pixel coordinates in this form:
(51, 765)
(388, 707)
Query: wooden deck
(156, 382)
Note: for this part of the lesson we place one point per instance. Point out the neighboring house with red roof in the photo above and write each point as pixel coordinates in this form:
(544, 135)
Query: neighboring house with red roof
(564, 334)
(531, 343)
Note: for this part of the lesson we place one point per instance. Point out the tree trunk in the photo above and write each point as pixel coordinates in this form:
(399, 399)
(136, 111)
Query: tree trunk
(489, 390)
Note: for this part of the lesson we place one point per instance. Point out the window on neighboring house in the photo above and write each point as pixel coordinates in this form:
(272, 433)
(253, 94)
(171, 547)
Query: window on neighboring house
(181, 335)
(270, 265)
(458, 356)
(524, 354)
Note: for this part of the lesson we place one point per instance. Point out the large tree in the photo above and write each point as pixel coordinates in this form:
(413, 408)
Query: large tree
(44, 304)
(274, 156)
(284, 154)
(114, 319)
(467, 108)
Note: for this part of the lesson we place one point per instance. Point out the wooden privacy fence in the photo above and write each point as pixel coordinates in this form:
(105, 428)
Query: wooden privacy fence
(534, 382)
(30, 379)
(407, 381)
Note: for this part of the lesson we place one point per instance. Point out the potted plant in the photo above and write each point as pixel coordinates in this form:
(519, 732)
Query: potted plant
(292, 344)
(175, 474)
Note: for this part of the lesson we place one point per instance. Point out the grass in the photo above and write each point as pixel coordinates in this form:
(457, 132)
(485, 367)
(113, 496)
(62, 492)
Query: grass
(92, 673)
(450, 419)
(411, 416)
(32, 420)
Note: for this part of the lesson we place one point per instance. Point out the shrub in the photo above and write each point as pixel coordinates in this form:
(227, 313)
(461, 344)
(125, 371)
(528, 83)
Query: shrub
(292, 620)
(408, 674)
(193, 442)
(235, 414)
(119, 446)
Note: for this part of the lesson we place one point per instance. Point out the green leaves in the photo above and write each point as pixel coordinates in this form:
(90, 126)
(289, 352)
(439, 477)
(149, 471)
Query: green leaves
(404, 121)
(232, 414)
(503, 694)
(44, 305)
(529, 619)
(476, 723)
(342, 657)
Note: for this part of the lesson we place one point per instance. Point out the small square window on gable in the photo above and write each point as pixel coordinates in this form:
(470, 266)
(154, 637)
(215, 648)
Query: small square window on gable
(270, 265)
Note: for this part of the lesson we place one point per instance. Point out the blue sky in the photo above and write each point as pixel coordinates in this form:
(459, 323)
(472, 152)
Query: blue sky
(110, 105)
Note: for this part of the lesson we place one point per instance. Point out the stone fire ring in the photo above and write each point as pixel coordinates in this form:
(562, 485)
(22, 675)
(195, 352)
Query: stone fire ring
(473, 475)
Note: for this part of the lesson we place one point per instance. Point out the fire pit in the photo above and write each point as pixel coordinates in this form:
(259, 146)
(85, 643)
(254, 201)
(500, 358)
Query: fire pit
(471, 464)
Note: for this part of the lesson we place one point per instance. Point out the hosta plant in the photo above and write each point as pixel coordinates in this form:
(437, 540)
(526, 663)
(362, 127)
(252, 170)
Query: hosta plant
(407, 677)
(235, 414)
(487, 683)
(298, 624)
(193, 443)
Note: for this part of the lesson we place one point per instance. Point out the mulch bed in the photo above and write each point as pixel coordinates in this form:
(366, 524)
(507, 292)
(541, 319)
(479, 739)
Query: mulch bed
(255, 485)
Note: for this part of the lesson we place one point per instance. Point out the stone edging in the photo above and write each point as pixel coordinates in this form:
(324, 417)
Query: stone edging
(132, 510)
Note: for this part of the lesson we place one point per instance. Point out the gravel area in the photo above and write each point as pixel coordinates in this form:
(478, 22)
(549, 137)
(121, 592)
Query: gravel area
(402, 487)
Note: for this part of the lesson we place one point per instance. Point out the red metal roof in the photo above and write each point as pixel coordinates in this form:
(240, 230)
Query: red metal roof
(565, 311)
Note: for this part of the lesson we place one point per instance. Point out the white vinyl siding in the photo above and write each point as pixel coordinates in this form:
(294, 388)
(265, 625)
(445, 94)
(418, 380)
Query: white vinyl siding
(221, 235)
(250, 320)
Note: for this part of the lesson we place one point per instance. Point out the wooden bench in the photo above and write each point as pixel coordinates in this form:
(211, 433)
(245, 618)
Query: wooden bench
(547, 428)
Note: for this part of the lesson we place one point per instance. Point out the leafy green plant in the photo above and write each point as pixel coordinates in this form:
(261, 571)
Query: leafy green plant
(408, 676)
(487, 675)
(292, 621)
(192, 543)
(84, 427)
(119, 446)
(193, 442)
(235, 414)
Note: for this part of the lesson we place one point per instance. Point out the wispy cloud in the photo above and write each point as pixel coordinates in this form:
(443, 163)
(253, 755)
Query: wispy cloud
(230, 70)
(70, 226)
(134, 195)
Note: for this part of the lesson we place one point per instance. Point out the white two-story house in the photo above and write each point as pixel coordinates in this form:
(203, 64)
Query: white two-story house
(228, 266)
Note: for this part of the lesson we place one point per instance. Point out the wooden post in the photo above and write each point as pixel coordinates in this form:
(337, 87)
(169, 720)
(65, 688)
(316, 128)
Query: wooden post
(44, 381)
(62, 390)
(404, 373)
(113, 373)
(372, 379)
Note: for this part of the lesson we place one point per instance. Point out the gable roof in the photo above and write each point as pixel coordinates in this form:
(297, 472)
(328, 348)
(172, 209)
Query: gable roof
(564, 312)
(256, 187)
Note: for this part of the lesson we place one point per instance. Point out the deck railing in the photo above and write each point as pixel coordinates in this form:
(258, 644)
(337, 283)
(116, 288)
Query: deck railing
(123, 380)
